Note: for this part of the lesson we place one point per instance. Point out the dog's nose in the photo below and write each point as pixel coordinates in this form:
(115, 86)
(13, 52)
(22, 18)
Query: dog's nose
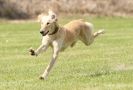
(41, 32)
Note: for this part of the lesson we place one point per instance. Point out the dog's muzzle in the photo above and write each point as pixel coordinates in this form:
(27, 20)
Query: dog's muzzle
(44, 32)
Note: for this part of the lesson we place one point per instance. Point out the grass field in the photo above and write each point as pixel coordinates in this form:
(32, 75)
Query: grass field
(105, 65)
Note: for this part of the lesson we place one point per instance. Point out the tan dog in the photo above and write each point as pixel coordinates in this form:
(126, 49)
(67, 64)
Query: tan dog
(62, 37)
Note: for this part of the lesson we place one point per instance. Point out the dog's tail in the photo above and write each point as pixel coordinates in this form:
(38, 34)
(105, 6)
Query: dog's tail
(101, 31)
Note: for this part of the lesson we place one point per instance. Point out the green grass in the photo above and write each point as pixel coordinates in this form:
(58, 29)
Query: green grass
(105, 65)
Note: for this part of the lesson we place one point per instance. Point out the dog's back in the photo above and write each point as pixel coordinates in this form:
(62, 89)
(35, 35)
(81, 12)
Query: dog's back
(78, 29)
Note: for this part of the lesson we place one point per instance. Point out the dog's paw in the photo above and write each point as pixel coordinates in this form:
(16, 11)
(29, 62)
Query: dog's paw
(41, 78)
(32, 52)
(102, 31)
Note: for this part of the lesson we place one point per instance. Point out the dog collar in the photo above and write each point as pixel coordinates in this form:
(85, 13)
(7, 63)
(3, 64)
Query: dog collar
(55, 31)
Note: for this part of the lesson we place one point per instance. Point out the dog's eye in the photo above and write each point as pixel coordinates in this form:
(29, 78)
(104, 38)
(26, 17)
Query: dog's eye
(48, 23)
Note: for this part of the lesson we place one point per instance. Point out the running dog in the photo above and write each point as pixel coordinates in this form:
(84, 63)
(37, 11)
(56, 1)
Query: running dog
(59, 38)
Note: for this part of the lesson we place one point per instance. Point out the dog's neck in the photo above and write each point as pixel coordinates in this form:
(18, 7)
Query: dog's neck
(55, 30)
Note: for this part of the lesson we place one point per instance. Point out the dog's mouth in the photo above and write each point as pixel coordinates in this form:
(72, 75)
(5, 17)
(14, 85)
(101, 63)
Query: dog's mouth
(44, 33)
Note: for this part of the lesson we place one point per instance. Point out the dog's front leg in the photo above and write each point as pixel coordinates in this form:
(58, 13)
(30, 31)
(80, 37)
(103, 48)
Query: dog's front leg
(41, 48)
(56, 49)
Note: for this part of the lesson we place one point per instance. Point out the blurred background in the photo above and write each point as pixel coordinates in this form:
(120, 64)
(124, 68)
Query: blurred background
(26, 9)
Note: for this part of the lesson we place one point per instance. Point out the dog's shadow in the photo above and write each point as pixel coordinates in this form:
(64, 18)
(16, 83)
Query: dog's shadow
(102, 73)
(97, 73)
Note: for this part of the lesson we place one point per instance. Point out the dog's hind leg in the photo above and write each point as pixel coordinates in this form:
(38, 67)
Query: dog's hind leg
(98, 33)
(88, 38)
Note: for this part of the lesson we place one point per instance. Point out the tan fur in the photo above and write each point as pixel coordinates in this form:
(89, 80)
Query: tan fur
(66, 36)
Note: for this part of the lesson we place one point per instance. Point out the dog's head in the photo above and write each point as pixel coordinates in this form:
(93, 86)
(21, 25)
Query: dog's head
(48, 23)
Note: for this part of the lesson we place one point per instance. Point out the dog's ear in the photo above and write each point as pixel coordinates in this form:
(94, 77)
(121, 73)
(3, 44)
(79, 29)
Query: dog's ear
(39, 18)
(52, 15)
